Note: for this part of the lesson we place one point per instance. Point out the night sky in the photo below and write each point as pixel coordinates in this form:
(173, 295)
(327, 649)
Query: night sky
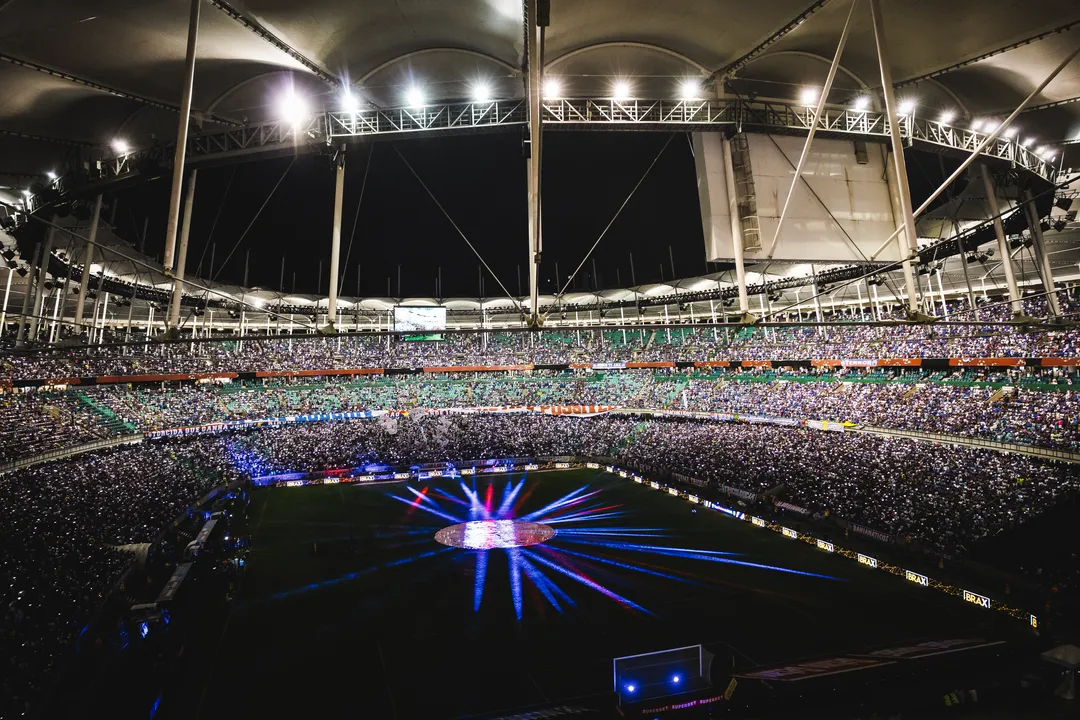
(480, 181)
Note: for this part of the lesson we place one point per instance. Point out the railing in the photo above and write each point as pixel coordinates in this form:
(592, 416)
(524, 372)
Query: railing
(68, 452)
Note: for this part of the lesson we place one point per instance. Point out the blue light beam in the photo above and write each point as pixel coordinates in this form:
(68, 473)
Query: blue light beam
(587, 582)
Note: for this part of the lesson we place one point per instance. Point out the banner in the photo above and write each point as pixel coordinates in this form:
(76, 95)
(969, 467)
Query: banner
(250, 423)
(827, 425)
(871, 533)
(792, 508)
(744, 494)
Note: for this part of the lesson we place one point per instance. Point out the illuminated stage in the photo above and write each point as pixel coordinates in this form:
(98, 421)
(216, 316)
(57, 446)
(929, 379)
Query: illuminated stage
(491, 534)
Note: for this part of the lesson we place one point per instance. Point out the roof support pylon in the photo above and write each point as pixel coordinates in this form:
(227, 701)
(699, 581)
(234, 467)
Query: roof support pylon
(903, 190)
(534, 29)
(335, 243)
(181, 259)
(181, 137)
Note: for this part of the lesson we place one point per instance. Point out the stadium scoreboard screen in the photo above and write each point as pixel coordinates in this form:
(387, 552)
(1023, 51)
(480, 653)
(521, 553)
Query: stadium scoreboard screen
(423, 322)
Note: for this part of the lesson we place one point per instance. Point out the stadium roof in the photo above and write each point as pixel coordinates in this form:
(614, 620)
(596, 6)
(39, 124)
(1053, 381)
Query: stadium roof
(88, 71)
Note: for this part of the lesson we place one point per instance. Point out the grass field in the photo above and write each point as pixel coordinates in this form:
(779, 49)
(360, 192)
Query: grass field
(351, 609)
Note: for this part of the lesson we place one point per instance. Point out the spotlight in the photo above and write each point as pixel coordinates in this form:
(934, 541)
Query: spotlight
(121, 146)
(631, 688)
(293, 109)
(1064, 203)
(620, 90)
(414, 96)
(552, 89)
(1010, 132)
(51, 175)
(1028, 142)
(906, 107)
(808, 97)
(8, 254)
(1060, 225)
(26, 193)
(690, 89)
(481, 92)
(349, 102)
(21, 272)
(946, 117)
(990, 126)
(976, 125)
(861, 104)
(676, 679)
(1041, 151)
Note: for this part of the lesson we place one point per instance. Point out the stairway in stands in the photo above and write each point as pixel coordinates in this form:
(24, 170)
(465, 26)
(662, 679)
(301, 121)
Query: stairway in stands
(108, 419)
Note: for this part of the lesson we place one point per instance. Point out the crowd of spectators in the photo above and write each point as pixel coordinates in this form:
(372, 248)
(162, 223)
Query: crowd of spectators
(36, 423)
(1013, 414)
(650, 344)
(63, 523)
(1034, 407)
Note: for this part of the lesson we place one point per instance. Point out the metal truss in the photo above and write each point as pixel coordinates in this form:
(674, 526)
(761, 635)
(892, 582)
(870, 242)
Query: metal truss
(330, 128)
(429, 118)
(607, 114)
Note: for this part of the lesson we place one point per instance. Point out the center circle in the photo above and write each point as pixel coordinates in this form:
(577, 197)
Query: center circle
(490, 534)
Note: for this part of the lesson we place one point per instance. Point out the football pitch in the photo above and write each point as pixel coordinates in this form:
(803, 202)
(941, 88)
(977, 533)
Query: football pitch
(351, 608)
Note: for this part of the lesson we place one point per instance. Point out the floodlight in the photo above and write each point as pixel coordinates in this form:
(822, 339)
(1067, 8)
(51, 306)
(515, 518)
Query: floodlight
(976, 125)
(1041, 152)
(120, 146)
(808, 96)
(1028, 142)
(293, 109)
(620, 90)
(415, 96)
(990, 126)
(946, 117)
(51, 175)
(481, 92)
(26, 193)
(690, 89)
(1010, 132)
(552, 89)
(349, 102)
(861, 104)
(906, 107)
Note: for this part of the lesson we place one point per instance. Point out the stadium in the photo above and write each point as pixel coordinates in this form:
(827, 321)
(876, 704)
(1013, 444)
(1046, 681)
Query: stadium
(518, 360)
